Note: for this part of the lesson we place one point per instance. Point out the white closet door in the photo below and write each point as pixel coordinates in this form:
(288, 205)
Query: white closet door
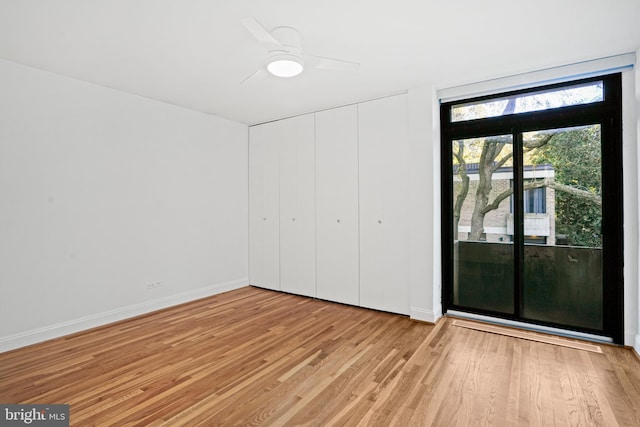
(297, 206)
(264, 248)
(384, 204)
(337, 204)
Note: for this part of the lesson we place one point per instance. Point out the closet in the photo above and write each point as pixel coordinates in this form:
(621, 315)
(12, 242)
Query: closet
(384, 204)
(337, 205)
(297, 206)
(264, 205)
(328, 202)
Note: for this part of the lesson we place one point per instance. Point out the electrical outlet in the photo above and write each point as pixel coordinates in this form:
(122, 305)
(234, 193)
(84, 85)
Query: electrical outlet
(154, 285)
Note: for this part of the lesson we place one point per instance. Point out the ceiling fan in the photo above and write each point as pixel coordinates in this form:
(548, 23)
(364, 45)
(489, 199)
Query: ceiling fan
(285, 53)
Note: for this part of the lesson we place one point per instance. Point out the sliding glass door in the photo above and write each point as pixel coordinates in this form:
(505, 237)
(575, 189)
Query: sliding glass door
(563, 269)
(532, 206)
(482, 251)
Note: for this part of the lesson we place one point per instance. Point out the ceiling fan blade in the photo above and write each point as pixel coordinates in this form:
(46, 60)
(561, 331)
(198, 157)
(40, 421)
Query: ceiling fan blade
(259, 32)
(325, 63)
(255, 76)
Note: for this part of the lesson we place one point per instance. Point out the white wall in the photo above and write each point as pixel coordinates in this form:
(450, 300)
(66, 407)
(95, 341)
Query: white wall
(630, 198)
(425, 204)
(636, 280)
(103, 193)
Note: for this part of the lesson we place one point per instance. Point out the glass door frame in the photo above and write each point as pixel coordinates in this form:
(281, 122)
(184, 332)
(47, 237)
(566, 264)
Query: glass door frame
(606, 113)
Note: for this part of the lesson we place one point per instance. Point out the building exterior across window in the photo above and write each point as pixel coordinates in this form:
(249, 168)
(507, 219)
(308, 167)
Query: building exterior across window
(539, 206)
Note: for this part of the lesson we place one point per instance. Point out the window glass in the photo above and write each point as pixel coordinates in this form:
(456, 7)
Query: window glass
(535, 201)
(528, 102)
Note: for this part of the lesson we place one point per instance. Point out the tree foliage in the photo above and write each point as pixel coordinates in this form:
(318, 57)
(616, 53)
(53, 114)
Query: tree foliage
(576, 157)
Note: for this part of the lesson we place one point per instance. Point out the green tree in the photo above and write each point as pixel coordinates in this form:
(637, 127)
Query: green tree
(576, 157)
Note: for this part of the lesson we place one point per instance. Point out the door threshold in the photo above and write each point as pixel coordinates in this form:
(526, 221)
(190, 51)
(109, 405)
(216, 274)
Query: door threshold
(528, 335)
(531, 327)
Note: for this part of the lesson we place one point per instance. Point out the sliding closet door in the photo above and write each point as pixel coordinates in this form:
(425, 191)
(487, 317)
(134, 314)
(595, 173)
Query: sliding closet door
(297, 206)
(337, 204)
(384, 204)
(264, 224)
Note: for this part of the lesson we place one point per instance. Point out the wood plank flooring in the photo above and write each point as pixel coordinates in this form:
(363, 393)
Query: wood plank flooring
(257, 357)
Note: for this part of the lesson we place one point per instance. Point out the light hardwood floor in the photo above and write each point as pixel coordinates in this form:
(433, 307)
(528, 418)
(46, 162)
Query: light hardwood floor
(257, 357)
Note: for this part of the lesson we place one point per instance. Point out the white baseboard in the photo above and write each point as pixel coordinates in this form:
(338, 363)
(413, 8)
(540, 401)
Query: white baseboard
(637, 344)
(58, 330)
(426, 315)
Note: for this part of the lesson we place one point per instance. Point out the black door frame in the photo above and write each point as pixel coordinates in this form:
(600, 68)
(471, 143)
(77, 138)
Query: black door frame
(607, 113)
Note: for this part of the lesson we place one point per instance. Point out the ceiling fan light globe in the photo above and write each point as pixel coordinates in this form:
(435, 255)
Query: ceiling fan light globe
(285, 67)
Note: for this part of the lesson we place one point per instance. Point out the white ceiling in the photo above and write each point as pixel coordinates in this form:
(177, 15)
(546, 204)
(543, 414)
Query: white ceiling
(195, 53)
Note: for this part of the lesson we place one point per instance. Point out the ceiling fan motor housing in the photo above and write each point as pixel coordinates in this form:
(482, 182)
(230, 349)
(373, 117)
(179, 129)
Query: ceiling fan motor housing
(286, 60)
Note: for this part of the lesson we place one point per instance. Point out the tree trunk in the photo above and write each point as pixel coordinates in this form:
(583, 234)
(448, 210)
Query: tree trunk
(486, 167)
(464, 188)
(490, 151)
